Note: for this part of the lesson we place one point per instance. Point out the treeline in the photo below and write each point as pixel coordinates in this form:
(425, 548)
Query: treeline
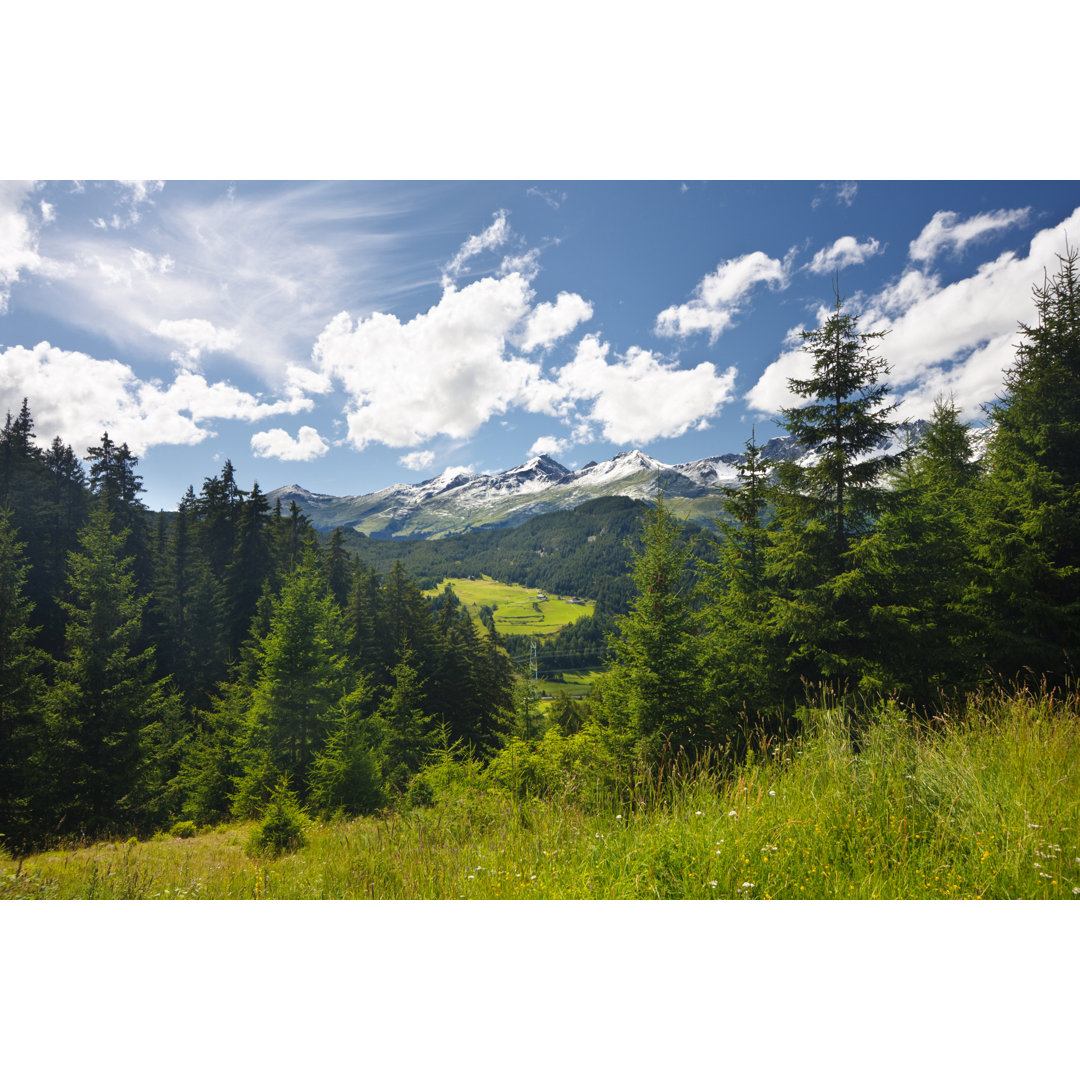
(156, 667)
(917, 577)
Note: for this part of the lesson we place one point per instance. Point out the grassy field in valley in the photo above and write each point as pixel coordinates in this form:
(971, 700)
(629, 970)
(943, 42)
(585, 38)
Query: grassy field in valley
(986, 807)
(518, 610)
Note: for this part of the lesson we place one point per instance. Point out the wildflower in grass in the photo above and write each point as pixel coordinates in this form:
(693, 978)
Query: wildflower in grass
(732, 813)
(712, 885)
(618, 817)
(772, 792)
(698, 813)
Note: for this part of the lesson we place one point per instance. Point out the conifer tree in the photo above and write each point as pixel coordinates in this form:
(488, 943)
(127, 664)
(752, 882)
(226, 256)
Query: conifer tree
(741, 674)
(104, 691)
(653, 687)
(301, 674)
(822, 508)
(1030, 517)
(21, 692)
(916, 571)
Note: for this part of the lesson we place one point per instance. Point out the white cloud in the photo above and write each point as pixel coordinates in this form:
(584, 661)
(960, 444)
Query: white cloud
(495, 235)
(549, 322)
(445, 371)
(641, 397)
(19, 240)
(77, 397)
(270, 266)
(847, 251)
(844, 191)
(527, 264)
(554, 199)
(278, 443)
(946, 230)
(48, 211)
(717, 296)
(197, 336)
(417, 460)
(957, 337)
(550, 445)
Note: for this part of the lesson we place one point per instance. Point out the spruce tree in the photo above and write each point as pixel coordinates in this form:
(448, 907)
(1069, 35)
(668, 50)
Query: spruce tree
(1030, 517)
(822, 508)
(104, 692)
(744, 660)
(21, 694)
(302, 670)
(652, 691)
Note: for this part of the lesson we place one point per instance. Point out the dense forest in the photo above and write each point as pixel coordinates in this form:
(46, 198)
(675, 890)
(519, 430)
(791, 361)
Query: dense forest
(225, 661)
(155, 667)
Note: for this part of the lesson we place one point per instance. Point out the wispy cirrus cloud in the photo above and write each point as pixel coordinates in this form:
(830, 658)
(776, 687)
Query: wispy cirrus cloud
(494, 236)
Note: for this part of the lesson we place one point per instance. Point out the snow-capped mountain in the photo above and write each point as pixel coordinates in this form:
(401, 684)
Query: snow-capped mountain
(457, 501)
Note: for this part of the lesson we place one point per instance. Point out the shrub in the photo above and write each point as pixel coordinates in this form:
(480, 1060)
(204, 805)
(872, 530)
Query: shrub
(282, 827)
(183, 830)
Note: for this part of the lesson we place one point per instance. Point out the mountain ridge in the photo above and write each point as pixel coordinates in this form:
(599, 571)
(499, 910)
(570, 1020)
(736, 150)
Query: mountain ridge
(458, 501)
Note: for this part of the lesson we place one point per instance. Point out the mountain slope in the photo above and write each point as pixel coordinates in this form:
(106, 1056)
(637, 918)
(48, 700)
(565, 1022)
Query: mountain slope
(458, 501)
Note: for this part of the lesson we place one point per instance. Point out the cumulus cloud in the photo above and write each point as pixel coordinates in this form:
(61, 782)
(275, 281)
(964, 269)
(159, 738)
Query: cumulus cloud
(641, 396)
(958, 337)
(444, 372)
(197, 336)
(278, 443)
(76, 396)
(495, 235)
(549, 322)
(550, 445)
(417, 460)
(718, 295)
(847, 251)
(945, 230)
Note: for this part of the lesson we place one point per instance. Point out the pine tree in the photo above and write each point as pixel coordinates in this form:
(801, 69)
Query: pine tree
(104, 691)
(740, 677)
(1030, 516)
(21, 693)
(302, 669)
(652, 690)
(916, 571)
(821, 509)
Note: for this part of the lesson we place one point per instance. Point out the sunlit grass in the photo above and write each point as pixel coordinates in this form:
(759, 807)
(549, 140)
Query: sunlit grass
(517, 610)
(985, 806)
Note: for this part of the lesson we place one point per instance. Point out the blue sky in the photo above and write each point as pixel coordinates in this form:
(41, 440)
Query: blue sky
(346, 336)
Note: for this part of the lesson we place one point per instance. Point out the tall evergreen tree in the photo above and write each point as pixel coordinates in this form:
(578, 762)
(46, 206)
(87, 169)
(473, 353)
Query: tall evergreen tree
(104, 691)
(1030, 521)
(302, 672)
(21, 693)
(744, 660)
(822, 508)
(653, 687)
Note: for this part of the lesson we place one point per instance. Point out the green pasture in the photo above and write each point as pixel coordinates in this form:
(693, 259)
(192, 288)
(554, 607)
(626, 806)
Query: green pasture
(517, 609)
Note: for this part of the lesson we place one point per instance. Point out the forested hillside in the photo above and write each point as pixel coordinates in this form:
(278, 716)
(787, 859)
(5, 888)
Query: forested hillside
(581, 552)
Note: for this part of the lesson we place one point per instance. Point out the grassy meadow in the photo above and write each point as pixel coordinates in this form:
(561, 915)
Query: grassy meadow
(983, 805)
(517, 609)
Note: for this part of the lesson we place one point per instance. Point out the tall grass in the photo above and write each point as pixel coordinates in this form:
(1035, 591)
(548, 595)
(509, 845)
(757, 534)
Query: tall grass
(982, 803)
